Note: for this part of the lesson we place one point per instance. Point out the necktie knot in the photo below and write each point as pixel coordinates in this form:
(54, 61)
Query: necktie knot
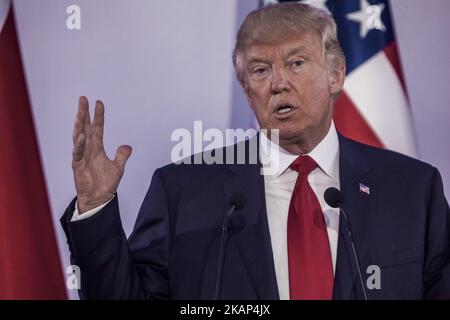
(304, 165)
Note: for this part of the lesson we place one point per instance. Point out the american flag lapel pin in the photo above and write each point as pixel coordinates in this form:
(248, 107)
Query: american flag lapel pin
(364, 188)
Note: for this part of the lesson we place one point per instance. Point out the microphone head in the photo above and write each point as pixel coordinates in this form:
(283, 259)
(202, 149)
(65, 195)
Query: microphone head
(238, 200)
(333, 197)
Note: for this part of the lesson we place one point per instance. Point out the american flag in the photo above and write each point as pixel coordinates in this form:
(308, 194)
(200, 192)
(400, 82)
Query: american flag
(373, 108)
(364, 188)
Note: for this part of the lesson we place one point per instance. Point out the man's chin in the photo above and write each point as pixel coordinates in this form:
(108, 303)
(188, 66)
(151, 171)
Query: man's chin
(290, 133)
(286, 130)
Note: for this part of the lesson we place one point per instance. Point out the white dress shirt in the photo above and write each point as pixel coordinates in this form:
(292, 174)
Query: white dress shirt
(278, 191)
(77, 216)
(279, 187)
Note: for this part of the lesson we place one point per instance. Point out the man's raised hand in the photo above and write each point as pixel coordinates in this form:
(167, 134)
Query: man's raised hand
(96, 176)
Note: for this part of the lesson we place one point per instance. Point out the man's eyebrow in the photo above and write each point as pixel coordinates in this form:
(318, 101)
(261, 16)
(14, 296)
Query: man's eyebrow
(290, 52)
(296, 50)
(257, 60)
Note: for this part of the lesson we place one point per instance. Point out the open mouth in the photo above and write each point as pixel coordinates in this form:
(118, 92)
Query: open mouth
(284, 109)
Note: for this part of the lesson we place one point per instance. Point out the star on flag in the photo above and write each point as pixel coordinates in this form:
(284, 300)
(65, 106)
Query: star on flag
(369, 17)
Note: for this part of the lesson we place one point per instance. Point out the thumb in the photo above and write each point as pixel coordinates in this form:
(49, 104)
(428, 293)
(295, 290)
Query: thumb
(122, 154)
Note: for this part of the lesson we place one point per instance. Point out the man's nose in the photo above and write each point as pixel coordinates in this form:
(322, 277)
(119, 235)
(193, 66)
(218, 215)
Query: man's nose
(279, 82)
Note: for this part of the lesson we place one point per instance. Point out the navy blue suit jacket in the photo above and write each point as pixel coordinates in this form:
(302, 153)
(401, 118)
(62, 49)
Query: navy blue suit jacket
(403, 226)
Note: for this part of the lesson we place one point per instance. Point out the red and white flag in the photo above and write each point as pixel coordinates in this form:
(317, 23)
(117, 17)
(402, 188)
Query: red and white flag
(30, 267)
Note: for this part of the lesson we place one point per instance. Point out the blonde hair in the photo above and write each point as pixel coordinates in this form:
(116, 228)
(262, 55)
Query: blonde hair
(273, 22)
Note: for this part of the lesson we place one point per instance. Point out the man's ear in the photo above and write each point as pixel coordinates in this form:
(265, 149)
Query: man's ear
(337, 78)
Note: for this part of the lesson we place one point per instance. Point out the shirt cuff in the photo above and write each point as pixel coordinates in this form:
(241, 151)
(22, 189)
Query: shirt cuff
(77, 216)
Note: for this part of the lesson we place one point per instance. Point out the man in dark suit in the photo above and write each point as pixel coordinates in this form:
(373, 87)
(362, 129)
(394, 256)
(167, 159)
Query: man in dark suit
(285, 241)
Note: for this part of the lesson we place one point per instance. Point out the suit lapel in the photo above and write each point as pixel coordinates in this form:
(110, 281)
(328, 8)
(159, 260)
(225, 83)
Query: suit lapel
(251, 233)
(357, 204)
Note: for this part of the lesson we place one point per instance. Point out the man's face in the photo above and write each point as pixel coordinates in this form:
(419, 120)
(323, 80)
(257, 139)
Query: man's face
(289, 87)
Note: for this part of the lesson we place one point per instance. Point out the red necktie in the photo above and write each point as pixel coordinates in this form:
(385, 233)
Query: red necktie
(310, 265)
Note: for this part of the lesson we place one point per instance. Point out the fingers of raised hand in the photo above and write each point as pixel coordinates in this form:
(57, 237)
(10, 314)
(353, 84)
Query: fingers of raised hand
(98, 122)
(79, 148)
(122, 154)
(82, 121)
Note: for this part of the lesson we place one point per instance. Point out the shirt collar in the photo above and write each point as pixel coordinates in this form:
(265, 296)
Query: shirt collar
(325, 154)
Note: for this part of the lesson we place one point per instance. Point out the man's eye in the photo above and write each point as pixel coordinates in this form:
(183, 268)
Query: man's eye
(259, 70)
(298, 63)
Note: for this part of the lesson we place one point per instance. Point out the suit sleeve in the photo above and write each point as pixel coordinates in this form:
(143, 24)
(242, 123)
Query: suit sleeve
(437, 244)
(113, 267)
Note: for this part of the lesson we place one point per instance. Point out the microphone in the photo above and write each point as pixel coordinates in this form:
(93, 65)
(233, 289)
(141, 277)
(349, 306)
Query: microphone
(237, 202)
(333, 197)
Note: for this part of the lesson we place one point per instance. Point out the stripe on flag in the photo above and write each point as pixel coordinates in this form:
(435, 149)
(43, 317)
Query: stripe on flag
(377, 91)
